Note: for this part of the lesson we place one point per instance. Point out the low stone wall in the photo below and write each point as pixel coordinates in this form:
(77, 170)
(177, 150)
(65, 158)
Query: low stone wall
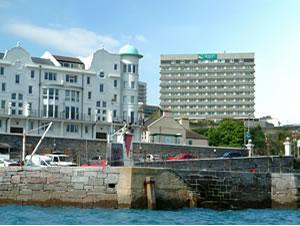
(263, 164)
(117, 187)
(85, 187)
(286, 190)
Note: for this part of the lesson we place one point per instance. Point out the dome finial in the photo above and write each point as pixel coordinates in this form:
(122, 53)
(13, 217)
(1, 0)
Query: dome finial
(18, 43)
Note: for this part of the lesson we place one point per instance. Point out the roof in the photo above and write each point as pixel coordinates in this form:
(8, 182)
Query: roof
(38, 60)
(193, 135)
(68, 59)
(130, 50)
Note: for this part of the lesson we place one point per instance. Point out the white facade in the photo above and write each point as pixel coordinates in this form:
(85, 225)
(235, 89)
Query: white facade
(81, 98)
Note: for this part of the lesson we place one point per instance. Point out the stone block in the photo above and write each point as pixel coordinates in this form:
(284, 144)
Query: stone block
(37, 180)
(111, 179)
(15, 179)
(4, 187)
(101, 175)
(36, 187)
(49, 187)
(24, 197)
(26, 192)
(61, 188)
(66, 171)
(110, 190)
(80, 179)
(52, 179)
(90, 174)
(76, 194)
(77, 186)
(40, 196)
(88, 188)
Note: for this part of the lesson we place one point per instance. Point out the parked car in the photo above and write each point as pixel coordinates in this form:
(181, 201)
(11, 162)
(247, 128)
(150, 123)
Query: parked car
(96, 162)
(181, 156)
(8, 162)
(232, 154)
(57, 159)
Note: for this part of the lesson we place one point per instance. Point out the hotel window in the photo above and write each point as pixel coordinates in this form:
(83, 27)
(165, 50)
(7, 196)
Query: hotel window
(50, 76)
(71, 128)
(17, 79)
(30, 89)
(129, 67)
(115, 83)
(2, 104)
(115, 98)
(104, 104)
(88, 80)
(20, 96)
(98, 103)
(1, 70)
(71, 78)
(89, 111)
(124, 67)
(101, 88)
(89, 95)
(132, 85)
(115, 67)
(133, 68)
(32, 73)
(13, 96)
(124, 84)
(3, 86)
(115, 113)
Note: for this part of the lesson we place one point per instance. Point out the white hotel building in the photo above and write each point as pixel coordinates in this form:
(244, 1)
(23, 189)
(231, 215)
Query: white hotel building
(81, 97)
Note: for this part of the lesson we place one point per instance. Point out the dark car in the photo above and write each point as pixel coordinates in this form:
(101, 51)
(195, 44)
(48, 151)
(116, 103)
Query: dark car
(232, 154)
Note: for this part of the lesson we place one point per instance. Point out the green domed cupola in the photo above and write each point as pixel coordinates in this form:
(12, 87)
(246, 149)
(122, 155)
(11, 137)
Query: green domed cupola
(129, 50)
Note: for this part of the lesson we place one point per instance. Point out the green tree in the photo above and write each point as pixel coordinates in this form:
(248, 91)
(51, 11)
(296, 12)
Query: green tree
(228, 133)
(259, 140)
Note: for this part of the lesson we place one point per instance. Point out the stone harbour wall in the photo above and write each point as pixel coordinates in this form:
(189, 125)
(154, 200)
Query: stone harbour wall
(230, 190)
(261, 164)
(286, 190)
(77, 186)
(110, 187)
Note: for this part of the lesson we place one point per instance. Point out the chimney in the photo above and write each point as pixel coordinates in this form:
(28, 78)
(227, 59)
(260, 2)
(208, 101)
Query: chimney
(184, 122)
(167, 113)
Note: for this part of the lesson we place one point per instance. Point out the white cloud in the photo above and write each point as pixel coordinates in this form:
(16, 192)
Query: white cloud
(140, 38)
(77, 41)
(134, 38)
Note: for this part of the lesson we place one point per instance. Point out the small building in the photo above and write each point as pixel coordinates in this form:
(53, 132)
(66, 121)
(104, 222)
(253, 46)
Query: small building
(166, 130)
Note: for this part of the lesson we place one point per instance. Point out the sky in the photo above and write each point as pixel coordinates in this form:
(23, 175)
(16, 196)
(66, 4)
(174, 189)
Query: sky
(269, 28)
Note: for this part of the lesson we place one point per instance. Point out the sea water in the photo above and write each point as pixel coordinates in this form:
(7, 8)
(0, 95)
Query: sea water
(17, 214)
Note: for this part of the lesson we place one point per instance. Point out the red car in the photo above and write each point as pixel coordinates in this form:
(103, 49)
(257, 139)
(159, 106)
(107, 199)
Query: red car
(181, 156)
(96, 163)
